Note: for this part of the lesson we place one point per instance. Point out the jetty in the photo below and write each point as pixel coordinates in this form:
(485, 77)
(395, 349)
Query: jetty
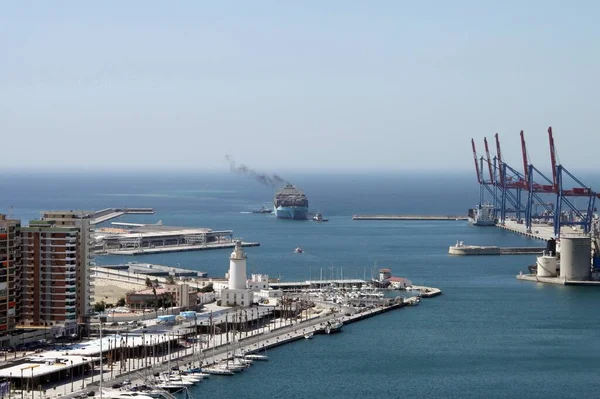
(409, 217)
(464, 250)
(557, 280)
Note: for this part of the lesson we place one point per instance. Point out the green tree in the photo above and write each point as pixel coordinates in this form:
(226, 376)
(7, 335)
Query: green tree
(100, 306)
(207, 288)
(170, 279)
(148, 282)
(121, 302)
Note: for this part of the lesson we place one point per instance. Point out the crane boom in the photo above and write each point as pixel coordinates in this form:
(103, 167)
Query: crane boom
(553, 159)
(499, 154)
(475, 159)
(524, 149)
(489, 161)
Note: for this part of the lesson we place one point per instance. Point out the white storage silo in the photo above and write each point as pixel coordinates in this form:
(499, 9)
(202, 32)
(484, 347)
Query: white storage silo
(546, 266)
(575, 257)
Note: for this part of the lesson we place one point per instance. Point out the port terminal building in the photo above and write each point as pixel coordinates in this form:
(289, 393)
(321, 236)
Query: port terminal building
(157, 236)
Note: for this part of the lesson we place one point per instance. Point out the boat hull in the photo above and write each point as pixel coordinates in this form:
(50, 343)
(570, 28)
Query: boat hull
(295, 213)
(476, 222)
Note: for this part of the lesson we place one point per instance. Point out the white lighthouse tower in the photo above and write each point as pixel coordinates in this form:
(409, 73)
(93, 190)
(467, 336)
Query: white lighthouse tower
(237, 268)
(237, 294)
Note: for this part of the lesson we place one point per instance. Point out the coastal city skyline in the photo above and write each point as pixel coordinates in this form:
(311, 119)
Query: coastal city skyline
(350, 86)
(299, 199)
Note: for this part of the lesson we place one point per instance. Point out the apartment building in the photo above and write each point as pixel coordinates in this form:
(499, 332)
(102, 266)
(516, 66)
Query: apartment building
(55, 283)
(10, 268)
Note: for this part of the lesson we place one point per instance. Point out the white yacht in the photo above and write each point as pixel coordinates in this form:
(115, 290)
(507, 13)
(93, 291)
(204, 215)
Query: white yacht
(217, 371)
(124, 395)
(333, 326)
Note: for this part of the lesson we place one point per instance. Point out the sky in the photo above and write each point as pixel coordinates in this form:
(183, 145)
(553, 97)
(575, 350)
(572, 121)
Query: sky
(292, 86)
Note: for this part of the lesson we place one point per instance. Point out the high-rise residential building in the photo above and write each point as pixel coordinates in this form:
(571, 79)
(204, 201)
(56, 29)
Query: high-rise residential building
(10, 267)
(56, 271)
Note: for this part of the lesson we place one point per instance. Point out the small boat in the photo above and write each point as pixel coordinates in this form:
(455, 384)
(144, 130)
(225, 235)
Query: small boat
(319, 218)
(166, 386)
(298, 250)
(184, 377)
(415, 301)
(256, 357)
(123, 395)
(308, 336)
(179, 381)
(217, 371)
(263, 210)
(197, 372)
(333, 326)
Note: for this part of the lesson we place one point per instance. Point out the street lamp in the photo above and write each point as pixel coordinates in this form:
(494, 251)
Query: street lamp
(72, 375)
(102, 319)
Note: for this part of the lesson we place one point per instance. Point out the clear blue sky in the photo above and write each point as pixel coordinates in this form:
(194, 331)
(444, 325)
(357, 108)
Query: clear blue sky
(294, 85)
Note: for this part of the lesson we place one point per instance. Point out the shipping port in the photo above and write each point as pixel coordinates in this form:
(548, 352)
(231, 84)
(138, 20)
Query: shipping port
(559, 209)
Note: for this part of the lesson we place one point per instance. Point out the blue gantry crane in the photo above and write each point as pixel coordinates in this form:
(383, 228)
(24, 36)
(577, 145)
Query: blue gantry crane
(565, 212)
(511, 184)
(485, 184)
(534, 190)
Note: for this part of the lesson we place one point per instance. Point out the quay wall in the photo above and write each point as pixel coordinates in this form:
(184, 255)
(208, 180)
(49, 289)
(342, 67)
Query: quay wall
(408, 217)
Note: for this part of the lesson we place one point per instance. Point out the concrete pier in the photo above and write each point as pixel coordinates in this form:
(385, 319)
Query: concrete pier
(538, 231)
(468, 250)
(408, 217)
(556, 280)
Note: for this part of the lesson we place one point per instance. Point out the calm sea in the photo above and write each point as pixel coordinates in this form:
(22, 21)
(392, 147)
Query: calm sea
(487, 336)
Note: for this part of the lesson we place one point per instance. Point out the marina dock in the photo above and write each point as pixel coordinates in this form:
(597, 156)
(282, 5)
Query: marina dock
(409, 217)
(138, 355)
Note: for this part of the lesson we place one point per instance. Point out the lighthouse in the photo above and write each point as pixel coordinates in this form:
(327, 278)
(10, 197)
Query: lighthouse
(237, 294)
(237, 268)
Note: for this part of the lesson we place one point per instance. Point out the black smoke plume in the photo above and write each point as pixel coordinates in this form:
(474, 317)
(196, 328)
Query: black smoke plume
(266, 180)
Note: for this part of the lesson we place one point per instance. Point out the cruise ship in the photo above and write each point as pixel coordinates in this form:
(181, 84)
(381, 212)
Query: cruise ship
(482, 215)
(291, 203)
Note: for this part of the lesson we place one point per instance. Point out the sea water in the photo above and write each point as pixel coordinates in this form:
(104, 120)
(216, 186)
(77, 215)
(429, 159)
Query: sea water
(488, 335)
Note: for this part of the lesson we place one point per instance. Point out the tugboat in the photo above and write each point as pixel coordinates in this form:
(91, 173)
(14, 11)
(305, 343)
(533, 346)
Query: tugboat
(319, 218)
(263, 210)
